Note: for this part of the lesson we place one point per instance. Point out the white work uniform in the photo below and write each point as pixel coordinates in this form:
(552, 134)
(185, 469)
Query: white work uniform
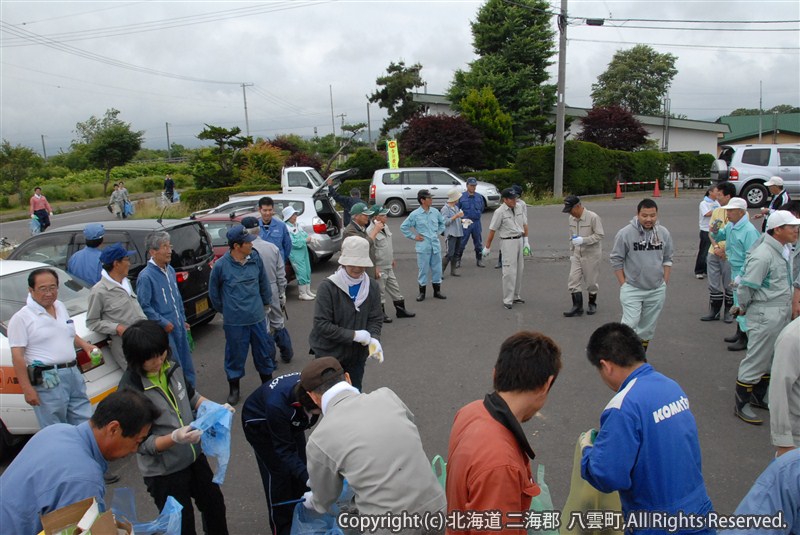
(509, 226)
(585, 258)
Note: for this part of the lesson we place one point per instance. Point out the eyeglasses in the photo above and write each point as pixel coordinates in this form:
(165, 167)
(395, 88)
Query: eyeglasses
(47, 289)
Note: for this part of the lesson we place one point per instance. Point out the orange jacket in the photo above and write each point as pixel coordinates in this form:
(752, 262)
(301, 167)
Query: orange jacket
(487, 470)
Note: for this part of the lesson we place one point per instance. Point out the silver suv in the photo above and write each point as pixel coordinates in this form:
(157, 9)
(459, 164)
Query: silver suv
(397, 189)
(749, 166)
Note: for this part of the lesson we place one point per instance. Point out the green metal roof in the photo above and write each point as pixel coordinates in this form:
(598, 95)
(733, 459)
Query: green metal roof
(746, 126)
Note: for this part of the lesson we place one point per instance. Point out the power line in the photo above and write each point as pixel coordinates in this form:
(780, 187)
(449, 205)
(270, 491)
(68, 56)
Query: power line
(684, 28)
(101, 59)
(177, 22)
(717, 47)
(70, 15)
(695, 21)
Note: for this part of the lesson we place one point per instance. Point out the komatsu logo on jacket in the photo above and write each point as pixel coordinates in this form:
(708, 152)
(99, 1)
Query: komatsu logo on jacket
(668, 411)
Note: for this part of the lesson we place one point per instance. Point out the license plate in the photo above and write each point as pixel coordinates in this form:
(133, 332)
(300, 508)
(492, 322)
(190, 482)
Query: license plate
(201, 306)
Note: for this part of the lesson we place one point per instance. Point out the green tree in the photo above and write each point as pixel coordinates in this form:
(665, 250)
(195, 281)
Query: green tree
(514, 44)
(367, 161)
(105, 143)
(262, 163)
(217, 167)
(395, 95)
(636, 79)
(780, 108)
(17, 164)
(482, 110)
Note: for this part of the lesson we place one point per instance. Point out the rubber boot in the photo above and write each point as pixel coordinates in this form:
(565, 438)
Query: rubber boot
(727, 317)
(310, 292)
(233, 396)
(577, 305)
(386, 319)
(499, 263)
(303, 292)
(759, 393)
(714, 306)
(437, 291)
(479, 262)
(592, 308)
(454, 270)
(735, 337)
(743, 410)
(421, 296)
(740, 344)
(265, 378)
(402, 312)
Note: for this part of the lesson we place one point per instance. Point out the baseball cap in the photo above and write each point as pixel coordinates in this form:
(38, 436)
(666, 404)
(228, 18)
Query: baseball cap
(378, 209)
(360, 208)
(239, 234)
(424, 194)
(780, 218)
(570, 202)
(774, 181)
(508, 193)
(250, 222)
(318, 372)
(114, 252)
(472, 180)
(735, 203)
(94, 231)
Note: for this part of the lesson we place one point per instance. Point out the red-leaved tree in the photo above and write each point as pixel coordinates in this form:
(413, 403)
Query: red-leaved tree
(613, 127)
(441, 141)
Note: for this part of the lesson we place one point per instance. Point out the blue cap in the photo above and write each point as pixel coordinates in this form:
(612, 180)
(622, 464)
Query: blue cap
(239, 234)
(472, 181)
(249, 222)
(94, 231)
(114, 252)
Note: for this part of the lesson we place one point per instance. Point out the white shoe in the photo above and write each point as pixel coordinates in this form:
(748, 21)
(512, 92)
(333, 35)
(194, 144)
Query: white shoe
(309, 292)
(699, 276)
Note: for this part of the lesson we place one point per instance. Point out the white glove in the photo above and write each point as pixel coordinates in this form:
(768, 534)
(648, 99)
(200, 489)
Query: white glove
(587, 438)
(33, 216)
(577, 240)
(362, 337)
(465, 223)
(526, 243)
(308, 500)
(737, 281)
(375, 350)
(282, 300)
(186, 435)
(232, 409)
(485, 252)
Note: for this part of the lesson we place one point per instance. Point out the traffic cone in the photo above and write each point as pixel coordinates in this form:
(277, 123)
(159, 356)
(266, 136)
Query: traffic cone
(618, 194)
(656, 192)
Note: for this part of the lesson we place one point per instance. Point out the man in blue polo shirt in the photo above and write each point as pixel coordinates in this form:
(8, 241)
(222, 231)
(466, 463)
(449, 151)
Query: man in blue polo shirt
(650, 420)
(240, 290)
(63, 464)
(85, 264)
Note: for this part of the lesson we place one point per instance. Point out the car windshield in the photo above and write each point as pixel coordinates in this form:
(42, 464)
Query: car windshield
(14, 293)
(218, 231)
(297, 204)
(316, 177)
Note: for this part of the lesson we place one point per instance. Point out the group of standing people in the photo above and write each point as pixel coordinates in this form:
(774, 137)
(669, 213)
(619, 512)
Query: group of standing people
(119, 200)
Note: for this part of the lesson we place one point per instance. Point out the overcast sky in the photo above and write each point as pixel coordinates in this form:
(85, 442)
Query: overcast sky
(57, 60)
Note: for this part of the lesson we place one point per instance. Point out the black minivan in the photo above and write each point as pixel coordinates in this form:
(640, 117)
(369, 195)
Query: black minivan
(192, 254)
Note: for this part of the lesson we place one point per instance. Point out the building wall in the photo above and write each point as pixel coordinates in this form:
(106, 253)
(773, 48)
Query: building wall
(766, 137)
(680, 139)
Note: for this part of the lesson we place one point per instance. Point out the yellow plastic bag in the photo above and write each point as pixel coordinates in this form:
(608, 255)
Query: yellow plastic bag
(590, 507)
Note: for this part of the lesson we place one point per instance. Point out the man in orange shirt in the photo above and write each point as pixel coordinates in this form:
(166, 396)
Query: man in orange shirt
(488, 462)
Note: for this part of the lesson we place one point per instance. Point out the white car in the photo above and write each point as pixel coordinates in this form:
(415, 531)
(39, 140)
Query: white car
(16, 417)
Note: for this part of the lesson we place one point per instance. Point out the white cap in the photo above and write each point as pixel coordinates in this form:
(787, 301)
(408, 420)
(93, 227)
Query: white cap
(355, 252)
(779, 218)
(288, 212)
(734, 203)
(774, 181)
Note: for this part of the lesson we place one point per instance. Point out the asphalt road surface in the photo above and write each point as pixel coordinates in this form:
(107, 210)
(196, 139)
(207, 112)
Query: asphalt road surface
(443, 359)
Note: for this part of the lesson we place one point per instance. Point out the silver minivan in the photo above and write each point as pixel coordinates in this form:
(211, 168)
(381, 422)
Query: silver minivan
(749, 166)
(396, 189)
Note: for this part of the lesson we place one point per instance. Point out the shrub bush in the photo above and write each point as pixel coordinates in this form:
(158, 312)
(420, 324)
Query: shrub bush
(502, 178)
(200, 199)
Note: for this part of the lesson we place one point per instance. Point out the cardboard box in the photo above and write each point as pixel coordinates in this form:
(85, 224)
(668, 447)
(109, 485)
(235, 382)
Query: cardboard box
(84, 517)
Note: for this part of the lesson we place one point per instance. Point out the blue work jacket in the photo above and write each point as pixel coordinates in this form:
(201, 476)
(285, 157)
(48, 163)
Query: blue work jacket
(240, 291)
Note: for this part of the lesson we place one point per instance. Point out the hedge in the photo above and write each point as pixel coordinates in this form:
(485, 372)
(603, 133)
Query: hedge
(589, 168)
(502, 178)
(200, 199)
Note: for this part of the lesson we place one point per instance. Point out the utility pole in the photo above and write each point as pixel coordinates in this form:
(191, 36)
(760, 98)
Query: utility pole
(169, 147)
(333, 124)
(760, 106)
(44, 150)
(558, 175)
(246, 119)
(369, 125)
(665, 135)
(341, 142)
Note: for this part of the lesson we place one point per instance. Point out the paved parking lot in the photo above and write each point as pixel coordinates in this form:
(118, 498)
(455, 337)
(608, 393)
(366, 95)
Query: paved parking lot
(443, 359)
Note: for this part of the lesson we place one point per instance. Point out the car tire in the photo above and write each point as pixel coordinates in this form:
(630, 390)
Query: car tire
(396, 207)
(756, 194)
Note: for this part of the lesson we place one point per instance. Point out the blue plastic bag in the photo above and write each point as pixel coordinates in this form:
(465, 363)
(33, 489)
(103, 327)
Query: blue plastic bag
(168, 521)
(35, 227)
(308, 522)
(129, 210)
(214, 421)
